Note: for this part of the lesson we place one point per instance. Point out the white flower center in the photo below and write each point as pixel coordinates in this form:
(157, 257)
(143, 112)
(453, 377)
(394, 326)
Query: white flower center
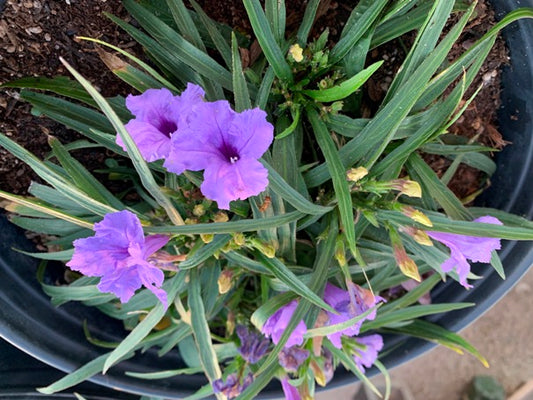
(233, 159)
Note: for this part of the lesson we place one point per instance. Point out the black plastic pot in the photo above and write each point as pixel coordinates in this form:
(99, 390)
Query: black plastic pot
(55, 335)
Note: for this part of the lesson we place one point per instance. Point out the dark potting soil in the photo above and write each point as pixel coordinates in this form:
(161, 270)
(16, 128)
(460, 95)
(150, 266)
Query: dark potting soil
(35, 33)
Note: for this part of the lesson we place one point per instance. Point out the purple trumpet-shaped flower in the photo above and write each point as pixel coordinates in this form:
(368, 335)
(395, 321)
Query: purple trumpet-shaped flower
(118, 253)
(290, 392)
(227, 146)
(463, 248)
(276, 324)
(158, 116)
(368, 356)
(348, 304)
(253, 346)
(291, 358)
(233, 385)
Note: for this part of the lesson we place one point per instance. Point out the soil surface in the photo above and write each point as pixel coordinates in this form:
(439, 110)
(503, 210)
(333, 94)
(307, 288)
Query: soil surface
(35, 33)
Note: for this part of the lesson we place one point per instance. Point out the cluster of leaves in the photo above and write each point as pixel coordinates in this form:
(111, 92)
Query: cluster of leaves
(300, 232)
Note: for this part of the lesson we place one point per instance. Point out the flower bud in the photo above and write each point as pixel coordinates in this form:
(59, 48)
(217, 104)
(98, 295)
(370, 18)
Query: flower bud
(356, 174)
(407, 187)
(198, 210)
(406, 263)
(221, 216)
(418, 235)
(296, 52)
(239, 239)
(225, 281)
(416, 215)
(207, 237)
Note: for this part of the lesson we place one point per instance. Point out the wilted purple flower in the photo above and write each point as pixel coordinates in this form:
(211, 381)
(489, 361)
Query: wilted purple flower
(290, 392)
(367, 357)
(158, 115)
(227, 146)
(291, 358)
(233, 385)
(118, 253)
(253, 346)
(463, 248)
(348, 304)
(276, 324)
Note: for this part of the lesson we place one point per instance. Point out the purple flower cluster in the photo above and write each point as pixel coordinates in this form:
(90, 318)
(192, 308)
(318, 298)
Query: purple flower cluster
(233, 386)
(367, 357)
(348, 304)
(463, 248)
(118, 253)
(253, 346)
(278, 322)
(192, 134)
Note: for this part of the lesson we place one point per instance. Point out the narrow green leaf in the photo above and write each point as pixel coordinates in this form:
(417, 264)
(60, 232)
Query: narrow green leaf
(267, 41)
(327, 330)
(63, 255)
(361, 19)
(240, 90)
(280, 271)
(345, 88)
(80, 375)
(176, 45)
(307, 22)
(276, 13)
(381, 129)
(246, 225)
(164, 374)
(290, 195)
(61, 85)
(83, 178)
(151, 71)
(200, 328)
(185, 24)
(264, 90)
(214, 33)
(424, 43)
(167, 60)
(431, 184)
(411, 313)
(147, 179)
(428, 331)
(146, 325)
(46, 209)
(338, 174)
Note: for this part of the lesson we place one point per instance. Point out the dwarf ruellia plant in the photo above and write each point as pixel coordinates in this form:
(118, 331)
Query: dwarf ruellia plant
(266, 229)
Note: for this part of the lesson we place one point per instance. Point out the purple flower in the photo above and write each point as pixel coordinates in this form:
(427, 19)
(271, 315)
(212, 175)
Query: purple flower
(291, 358)
(253, 346)
(276, 324)
(348, 304)
(463, 248)
(233, 385)
(290, 392)
(367, 357)
(117, 253)
(227, 146)
(158, 115)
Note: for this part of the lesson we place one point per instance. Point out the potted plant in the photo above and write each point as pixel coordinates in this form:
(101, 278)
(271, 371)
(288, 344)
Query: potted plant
(323, 222)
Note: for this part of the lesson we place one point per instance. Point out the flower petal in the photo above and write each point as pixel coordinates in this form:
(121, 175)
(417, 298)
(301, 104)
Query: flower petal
(122, 282)
(250, 133)
(151, 142)
(154, 243)
(149, 105)
(224, 182)
(123, 227)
